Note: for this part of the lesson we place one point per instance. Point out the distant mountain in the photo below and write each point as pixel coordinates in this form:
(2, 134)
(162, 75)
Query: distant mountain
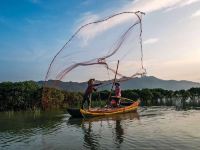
(153, 82)
(67, 86)
(135, 83)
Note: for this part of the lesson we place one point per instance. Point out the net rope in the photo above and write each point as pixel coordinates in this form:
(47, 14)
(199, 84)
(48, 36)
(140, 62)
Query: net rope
(57, 73)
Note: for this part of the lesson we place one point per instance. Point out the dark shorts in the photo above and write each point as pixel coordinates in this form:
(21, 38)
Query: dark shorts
(86, 97)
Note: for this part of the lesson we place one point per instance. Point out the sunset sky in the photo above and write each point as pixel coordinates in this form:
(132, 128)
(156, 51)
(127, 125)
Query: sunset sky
(32, 32)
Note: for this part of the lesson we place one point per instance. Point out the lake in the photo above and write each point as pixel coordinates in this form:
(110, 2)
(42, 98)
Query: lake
(149, 128)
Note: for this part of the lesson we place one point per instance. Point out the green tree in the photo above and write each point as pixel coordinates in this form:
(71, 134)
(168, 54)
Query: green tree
(146, 97)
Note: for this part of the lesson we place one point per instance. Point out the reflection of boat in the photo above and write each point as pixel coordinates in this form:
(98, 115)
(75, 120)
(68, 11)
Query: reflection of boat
(79, 121)
(74, 112)
(94, 112)
(125, 116)
(92, 128)
(76, 122)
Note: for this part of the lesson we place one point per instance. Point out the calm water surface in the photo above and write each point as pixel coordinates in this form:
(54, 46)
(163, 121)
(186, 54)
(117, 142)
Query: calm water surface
(150, 128)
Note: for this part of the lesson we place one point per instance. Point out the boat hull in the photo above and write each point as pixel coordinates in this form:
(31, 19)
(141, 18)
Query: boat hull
(109, 111)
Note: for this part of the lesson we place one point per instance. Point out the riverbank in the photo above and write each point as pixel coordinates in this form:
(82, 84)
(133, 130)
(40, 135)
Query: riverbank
(29, 95)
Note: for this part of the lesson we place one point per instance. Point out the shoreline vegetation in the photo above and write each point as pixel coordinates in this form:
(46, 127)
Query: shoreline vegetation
(27, 95)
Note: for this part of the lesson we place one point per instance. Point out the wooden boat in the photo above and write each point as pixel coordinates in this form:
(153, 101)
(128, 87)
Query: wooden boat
(94, 112)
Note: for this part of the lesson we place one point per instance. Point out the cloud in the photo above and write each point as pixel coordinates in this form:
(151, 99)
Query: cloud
(196, 14)
(147, 6)
(92, 30)
(182, 3)
(152, 5)
(188, 2)
(151, 41)
(155, 5)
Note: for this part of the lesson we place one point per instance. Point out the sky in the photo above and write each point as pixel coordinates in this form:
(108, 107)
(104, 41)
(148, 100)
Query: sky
(33, 31)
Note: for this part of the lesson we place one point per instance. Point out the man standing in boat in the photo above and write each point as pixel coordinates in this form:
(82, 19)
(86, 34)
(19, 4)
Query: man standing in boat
(117, 90)
(88, 93)
(116, 99)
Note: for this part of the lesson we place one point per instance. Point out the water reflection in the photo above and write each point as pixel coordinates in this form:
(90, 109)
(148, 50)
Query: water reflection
(92, 128)
(26, 127)
(90, 137)
(119, 132)
(150, 128)
(27, 121)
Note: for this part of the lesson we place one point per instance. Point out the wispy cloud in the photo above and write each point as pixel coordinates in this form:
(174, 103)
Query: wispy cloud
(152, 5)
(188, 2)
(92, 30)
(147, 6)
(151, 41)
(182, 3)
(196, 14)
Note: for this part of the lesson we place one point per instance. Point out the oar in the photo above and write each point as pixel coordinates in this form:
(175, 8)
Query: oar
(122, 98)
(113, 82)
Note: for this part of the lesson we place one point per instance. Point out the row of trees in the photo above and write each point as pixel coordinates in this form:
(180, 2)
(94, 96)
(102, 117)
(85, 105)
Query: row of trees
(19, 95)
(29, 95)
(158, 97)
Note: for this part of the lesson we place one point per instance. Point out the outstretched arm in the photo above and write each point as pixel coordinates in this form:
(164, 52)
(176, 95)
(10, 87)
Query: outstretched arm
(97, 84)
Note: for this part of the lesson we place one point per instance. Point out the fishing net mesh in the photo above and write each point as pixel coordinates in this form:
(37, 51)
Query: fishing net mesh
(94, 49)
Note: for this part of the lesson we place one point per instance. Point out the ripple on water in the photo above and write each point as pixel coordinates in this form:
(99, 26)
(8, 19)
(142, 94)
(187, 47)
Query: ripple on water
(150, 128)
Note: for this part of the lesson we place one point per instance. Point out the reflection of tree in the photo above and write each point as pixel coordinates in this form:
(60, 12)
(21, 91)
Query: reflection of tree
(28, 122)
(23, 127)
(89, 137)
(119, 132)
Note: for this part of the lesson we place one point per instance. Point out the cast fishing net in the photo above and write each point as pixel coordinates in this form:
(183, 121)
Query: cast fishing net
(94, 49)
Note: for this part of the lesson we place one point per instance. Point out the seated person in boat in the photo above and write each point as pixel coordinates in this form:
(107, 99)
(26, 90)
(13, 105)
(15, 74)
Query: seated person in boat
(116, 99)
(88, 92)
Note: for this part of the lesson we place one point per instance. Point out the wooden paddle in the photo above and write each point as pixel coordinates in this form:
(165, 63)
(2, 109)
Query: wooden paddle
(122, 98)
(113, 82)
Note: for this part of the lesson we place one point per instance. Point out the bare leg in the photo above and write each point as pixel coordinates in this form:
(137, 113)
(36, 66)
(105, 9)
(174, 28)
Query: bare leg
(83, 102)
(89, 101)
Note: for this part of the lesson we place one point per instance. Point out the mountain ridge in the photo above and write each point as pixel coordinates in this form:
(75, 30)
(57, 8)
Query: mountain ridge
(135, 83)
